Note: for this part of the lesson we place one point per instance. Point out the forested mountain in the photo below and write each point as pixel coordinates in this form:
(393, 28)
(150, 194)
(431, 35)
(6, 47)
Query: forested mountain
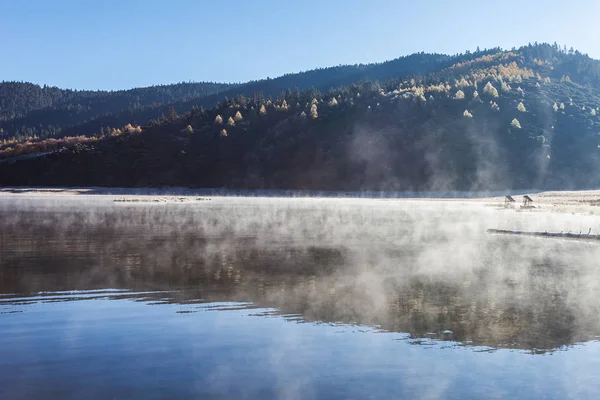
(27, 109)
(493, 119)
(17, 99)
(30, 111)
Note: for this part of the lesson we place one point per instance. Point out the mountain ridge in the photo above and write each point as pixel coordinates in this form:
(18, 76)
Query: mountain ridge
(90, 123)
(487, 120)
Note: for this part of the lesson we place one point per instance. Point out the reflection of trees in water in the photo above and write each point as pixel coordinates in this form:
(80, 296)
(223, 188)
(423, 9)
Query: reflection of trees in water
(525, 304)
(540, 319)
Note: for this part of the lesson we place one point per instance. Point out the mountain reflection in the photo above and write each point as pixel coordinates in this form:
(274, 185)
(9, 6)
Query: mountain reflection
(508, 301)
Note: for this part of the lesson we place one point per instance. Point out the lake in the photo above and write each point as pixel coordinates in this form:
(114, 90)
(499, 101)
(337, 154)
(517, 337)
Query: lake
(306, 298)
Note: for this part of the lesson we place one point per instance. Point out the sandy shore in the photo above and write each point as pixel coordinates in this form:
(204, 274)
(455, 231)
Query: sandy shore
(586, 202)
(575, 202)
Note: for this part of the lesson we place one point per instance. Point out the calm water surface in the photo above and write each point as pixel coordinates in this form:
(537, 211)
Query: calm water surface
(292, 299)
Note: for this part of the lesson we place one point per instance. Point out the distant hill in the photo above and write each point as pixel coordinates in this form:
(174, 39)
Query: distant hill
(18, 99)
(27, 109)
(492, 119)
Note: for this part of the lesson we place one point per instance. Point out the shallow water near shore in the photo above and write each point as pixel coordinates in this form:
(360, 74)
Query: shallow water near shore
(293, 298)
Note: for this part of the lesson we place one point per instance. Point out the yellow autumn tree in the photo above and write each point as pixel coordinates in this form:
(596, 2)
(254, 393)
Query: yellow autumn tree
(132, 129)
(313, 111)
(490, 89)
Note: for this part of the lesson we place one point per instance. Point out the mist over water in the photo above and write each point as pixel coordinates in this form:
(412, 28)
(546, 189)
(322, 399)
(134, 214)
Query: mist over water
(293, 298)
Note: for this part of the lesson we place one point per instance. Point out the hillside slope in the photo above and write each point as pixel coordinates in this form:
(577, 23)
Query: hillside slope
(30, 111)
(526, 118)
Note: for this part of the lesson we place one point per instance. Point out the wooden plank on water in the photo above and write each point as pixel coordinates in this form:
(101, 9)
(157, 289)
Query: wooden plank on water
(561, 235)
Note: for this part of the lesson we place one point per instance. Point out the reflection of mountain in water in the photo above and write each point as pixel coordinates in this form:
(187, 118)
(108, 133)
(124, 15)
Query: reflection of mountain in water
(502, 299)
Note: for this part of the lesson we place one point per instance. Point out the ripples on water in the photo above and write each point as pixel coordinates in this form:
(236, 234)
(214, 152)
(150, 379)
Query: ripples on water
(292, 298)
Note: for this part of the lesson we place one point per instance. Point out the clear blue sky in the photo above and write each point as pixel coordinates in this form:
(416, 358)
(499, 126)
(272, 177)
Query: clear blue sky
(117, 44)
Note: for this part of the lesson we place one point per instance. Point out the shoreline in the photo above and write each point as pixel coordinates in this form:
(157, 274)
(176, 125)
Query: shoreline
(184, 191)
(585, 202)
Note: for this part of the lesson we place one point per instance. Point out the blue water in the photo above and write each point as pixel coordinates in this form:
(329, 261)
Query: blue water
(114, 347)
(290, 300)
